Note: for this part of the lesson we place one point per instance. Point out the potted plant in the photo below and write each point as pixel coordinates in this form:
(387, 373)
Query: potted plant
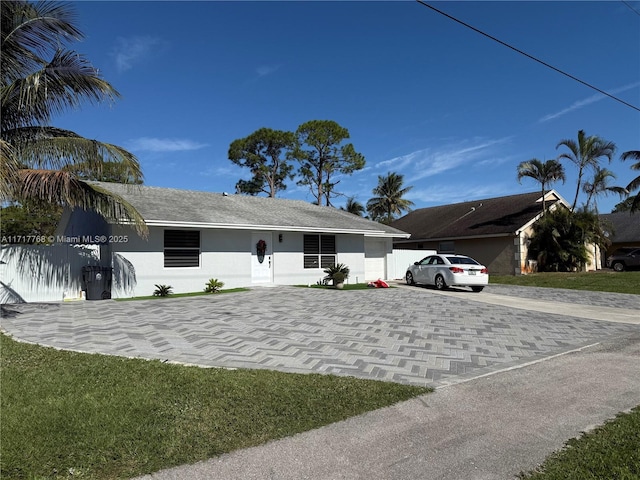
(338, 280)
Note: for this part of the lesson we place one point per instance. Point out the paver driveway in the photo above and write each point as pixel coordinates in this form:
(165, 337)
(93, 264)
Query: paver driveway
(407, 335)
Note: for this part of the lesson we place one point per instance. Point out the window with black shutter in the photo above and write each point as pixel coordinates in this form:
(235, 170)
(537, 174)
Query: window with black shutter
(319, 251)
(181, 248)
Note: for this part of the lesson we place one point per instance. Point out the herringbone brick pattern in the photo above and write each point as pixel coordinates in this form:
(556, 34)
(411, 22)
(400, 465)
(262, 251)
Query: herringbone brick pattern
(404, 335)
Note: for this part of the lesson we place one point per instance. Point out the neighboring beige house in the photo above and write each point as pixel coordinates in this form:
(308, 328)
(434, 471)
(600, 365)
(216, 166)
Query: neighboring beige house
(494, 231)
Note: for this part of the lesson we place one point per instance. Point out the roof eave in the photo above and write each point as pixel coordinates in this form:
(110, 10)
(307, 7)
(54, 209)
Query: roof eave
(288, 228)
(471, 237)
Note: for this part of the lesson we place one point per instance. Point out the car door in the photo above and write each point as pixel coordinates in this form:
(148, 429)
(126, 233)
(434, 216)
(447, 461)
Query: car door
(432, 269)
(420, 270)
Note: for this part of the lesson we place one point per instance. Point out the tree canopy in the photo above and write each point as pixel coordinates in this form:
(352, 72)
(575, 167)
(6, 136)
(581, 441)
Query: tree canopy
(635, 183)
(586, 152)
(560, 238)
(264, 153)
(600, 185)
(354, 207)
(323, 156)
(544, 173)
(40, 78)
(389, 201)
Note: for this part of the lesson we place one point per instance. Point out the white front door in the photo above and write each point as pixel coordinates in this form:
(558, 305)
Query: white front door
(261, 264)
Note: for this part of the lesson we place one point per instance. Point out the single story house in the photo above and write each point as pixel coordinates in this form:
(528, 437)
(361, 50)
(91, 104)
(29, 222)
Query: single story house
(238, 239)
(494, 231)
(622, 228)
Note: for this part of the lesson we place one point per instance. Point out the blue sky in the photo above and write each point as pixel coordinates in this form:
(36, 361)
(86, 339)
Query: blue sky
(452, 111)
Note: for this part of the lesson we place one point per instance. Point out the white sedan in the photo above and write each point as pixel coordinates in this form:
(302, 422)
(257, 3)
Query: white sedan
(444, 270)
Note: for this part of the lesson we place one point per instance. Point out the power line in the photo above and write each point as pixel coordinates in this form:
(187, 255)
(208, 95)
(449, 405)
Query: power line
(633, 9)
(528, 56)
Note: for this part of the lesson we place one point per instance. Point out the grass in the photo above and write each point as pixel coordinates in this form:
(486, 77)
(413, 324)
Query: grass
(611, 451)
(73, 415)
(600, 281)
(180, 295)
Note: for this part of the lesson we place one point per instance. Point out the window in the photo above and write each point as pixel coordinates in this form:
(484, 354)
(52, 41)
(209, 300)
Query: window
(181, 248)
(447, 247)
(319, 251)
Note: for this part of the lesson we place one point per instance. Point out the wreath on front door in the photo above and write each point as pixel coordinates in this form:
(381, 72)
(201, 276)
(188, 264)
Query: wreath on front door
(261, 247)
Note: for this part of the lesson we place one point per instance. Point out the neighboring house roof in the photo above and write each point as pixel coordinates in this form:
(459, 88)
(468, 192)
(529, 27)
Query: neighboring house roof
(626, 227)
(479, 218)
(190, 208)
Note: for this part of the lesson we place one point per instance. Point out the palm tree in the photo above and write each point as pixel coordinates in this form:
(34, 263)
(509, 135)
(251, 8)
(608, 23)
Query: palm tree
(544, 173)
(600, 186)
(560, 239)
(353, 206)
(41, 79)
(586, 152)
(635, 183)
(388, 201)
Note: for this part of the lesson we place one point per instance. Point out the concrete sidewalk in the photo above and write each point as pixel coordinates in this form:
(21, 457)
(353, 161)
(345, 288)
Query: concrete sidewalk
(488, 428)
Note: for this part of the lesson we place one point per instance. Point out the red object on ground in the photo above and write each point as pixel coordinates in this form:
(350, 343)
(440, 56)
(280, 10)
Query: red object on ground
(379, 284)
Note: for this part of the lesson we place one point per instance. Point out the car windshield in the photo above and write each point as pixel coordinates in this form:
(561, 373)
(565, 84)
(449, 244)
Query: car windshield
(462, 261)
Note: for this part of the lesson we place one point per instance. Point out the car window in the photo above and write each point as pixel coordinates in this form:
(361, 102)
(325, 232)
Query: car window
(425, 261)
(462, 261)
(438, 261)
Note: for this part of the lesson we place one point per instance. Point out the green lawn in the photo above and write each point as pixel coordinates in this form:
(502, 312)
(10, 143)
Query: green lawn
(181, 295)
(73, 415)
(602, 280)
(612, 451)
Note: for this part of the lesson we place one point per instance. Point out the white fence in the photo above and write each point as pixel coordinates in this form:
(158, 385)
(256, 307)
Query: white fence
(401, 259)
(43, 273)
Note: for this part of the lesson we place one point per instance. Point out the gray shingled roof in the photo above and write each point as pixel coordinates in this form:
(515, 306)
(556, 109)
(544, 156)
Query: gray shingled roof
(488, 217)
(169, 206)
(626, 226)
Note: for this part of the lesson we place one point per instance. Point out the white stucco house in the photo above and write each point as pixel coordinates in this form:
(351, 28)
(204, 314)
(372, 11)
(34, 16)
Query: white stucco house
(240, 240)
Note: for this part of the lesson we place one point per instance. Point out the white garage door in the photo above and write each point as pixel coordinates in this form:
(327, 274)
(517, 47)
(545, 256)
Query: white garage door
(375, 253)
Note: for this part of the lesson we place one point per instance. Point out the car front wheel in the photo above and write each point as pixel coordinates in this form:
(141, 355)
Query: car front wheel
(440, 283)
(477, 289)
(618, 266)
(409, 278)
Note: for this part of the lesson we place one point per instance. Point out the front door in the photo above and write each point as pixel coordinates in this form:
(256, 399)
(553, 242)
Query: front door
(261, 257)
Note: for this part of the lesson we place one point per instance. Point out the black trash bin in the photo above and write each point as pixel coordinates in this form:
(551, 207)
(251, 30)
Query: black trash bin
(96, 282)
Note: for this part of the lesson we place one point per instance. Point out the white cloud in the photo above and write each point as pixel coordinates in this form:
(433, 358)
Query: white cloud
(456, 193)
(586, 101)
(265, 70)
(228, 170)
(132, 50)
(432, 161)
(147, 144)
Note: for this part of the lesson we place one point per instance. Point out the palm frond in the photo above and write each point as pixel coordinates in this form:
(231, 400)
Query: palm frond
(9, 168)
(64, 83)
(55, 148)
(31, 31)
(631, 155)
(64, 188)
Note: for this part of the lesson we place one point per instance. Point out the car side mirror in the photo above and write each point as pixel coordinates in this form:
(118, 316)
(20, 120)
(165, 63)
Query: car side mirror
(416, 263)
